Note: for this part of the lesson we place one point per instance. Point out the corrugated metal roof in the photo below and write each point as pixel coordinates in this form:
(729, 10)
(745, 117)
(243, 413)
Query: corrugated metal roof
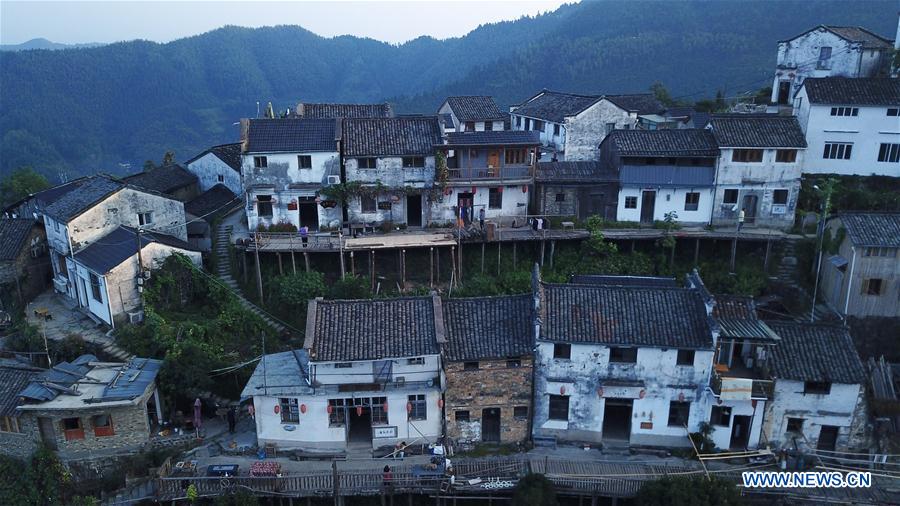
(133, 379)
(285, 373)
(575, 172)
(667, 175)
(495, 138)
(746, 329)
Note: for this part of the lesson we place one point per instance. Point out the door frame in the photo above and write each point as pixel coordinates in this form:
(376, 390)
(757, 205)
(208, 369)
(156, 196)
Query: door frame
(750, 214)
(420, 217)
(494, 412)
(746, 421)
(644, 204)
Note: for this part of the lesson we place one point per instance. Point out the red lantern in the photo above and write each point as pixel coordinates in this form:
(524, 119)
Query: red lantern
(525, 188)
(441, 403)
(384, 406)
(642, 394)
(719, 401)
(277, 409)
(499, 189)
(681, 397)
(303, 408)
(409, 407)
(753, 403)
(329, 408)
(474, 189)
(600, 391)
(359, 410)
(562, 390)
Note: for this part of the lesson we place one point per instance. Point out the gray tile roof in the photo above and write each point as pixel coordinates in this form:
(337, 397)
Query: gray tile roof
(815, 352)
(14, 236)
(667, 175)
(71, 204)
(625, 316)
(104, 254)
(408, 135)
(494, 138)
(447, 120)
(687, 142)
(642, 103)
(165, 179)
(347, 330)
(488, 327)
(284, 373)
(862, 35)
(734, 306)
(757, 131)
(872, 91)
(230, 154)
(326, 111)
(872, 228)
(634, 281)
(292, 135)
(575, 172)
(737, 319)
(212, 203)
(14, 377)
(475, 108)
(555, 106)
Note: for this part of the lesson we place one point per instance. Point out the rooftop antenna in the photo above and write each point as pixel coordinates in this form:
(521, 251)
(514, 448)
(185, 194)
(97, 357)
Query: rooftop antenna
(257, 108)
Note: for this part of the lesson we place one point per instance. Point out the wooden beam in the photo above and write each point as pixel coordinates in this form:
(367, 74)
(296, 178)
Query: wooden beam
(552, 252)
(482, 257)
(293, 262)
(768, 254)
(280, 266)
(733, 253)
(372, 269)
(352, 265)
(306, 259)
(431, 266)
(696, 251)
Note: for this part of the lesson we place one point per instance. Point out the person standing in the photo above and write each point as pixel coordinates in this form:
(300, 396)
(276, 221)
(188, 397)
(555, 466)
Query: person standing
(741, 216)
(232, 419)
(304, 235)
(481, 218)
(387, 477)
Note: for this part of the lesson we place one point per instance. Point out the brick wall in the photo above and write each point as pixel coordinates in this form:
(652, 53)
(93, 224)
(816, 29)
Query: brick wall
(493, 385)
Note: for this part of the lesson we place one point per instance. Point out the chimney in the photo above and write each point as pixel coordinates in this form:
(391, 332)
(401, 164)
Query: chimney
(245, 134)
(300, 109)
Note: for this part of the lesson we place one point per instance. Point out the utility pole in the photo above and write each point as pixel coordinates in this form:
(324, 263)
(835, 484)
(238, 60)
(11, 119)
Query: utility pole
(827, 190)
(140, 279)
(258, 270)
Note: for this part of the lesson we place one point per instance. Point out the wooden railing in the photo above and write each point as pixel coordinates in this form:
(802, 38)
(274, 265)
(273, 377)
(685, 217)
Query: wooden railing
(499, 173)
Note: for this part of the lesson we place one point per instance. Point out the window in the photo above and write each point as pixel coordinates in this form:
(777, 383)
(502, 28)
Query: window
(473, 153)
(260, 162)
(730, 197)
(520, 412)
(413, 162)
(366, 163)
(9, 424)
(845, 111)
(889, 153)
(559, 407)
(816, 387)
(837, 151)
(264, 206)
(516, 156)
(488, 126)
(623, 355)
(562, 351)
(720, 415)
(527, 123)
(461, 416)
(95, 287)
(379, 415)
(290, 410)
(795, 425)
(872, 286)
(538, 125)
(495, 198)
(893, 111)
(556, 129)
(419, 408)
(145, 218)
(470, 366)
(679, 412)
(880, 252)
(343, 365)
(518, 121)
(470, 126)
(221, 178)
(824, 58)
(560, 197)
(610, 127)
(630, 202)
(304, 161)
(415, 361)
(513, 363)
(747, 155)
(338, 415)
(780, 197)
(685, 357)
(691, 201)
(102, 425)
(72, 428)
(367, 203)
(786, 155)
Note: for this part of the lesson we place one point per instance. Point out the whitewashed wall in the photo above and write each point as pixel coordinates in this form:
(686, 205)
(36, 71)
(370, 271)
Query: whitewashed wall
(209, 167)
(838, 408)
(674, 203)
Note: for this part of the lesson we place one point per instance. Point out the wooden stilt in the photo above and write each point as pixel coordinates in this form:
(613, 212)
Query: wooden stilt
(293, 262)
(343, 267)
(632, 245)
(352, 265)
(431, 267)
(543, 243)
(515, 260)
(482, 257)
(280, 266)
(733, 252)
(768, 254)
(552, 252)
(696, 251)
(437, 266)
(453, 261)
(498, 257)
(403, 268)
(259, 275)
(306, 259)
(244, 262)
(372, 269)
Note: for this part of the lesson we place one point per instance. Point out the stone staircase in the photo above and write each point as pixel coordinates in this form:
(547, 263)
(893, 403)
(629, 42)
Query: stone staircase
(786, 272)
(223, 273)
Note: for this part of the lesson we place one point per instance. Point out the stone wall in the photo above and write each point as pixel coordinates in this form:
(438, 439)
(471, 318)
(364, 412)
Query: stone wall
(23, 443)
(493, 385)
(33, 272)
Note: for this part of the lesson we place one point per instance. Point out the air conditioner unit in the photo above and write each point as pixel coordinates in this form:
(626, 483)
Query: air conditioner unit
(60, 284)
(400, 380)
(136, 316)
(334, 179)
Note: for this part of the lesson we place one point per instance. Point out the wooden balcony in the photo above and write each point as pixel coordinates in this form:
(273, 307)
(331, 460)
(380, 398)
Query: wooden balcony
(510, 173)
(761, 389)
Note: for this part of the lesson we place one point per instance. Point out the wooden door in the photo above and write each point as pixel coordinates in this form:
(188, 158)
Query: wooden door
(648, 206)
(48, 433)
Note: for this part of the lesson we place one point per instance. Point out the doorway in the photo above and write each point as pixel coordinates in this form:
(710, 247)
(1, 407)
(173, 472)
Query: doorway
(749, 208)
(648, 206)
(617, 419)
(740, 432)
(465, 202)
(359, 427)
(493, 162)
(48, 433)
(309, 215)
(83, 295)
(490, 425)
(414, 210)
(827, 438)
(784, 92)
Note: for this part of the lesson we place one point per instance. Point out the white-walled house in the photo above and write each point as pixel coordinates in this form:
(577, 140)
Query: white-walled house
(825, 51)
(106, 272)
(100, 205)
(852, 126)
(218, 165)
(473, 114)
(572, 126)
(819, 396)
(761, 156)
(619, 363)
(392, 161)
(284, 165)
(490, 170)
(369, 374)
(662, 171)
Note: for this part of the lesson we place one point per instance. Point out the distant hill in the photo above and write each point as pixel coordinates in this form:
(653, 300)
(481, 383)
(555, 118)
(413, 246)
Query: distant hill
(103, 108)
(41, 43)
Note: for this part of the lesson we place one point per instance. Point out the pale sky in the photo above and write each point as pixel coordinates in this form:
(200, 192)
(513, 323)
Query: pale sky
(75, 21)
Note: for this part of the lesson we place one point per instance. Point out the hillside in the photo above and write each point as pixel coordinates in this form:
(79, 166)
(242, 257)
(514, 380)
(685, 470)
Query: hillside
(41, 43)
(89, 109)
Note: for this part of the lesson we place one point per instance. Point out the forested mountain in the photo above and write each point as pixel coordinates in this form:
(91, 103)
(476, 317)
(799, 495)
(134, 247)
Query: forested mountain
(90, 109)
(41, 43)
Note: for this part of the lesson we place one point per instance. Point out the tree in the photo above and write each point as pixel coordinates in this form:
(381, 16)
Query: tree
(662, 94)
(168, 158)
(21, 183)
(534, 490)
(695, 490)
